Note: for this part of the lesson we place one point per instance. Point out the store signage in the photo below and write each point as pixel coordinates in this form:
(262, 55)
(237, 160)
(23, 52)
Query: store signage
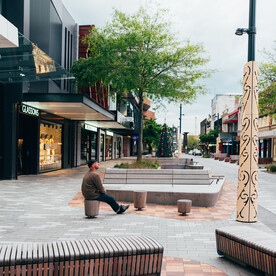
(109, 133)
(89, 127)
(29, 110)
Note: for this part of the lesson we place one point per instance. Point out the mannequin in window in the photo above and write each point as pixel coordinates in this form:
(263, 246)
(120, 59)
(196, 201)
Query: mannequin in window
(52, 148)
(41, 147)
(47, 148)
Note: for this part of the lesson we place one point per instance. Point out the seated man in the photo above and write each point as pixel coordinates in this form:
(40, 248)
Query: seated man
(93, 189)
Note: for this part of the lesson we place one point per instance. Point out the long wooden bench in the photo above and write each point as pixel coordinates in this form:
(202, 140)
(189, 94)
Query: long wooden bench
(220, 156)
(135, 255)
(248, 246)
(234, 158)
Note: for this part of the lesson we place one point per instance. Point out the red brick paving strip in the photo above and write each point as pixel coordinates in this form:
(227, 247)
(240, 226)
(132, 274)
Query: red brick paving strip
(222, 210)
(180, 267)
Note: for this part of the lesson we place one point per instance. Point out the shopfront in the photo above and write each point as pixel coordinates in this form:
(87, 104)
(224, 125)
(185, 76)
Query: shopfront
(39, 141)
(274, 149)
(50, 146)
(108, 145)
(27, 133)
(88, 143)
(231, 146)
(102, 147)
(265, 148)
(119, 147)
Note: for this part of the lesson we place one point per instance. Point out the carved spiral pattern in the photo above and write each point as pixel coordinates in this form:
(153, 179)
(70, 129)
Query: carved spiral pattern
(248, 170)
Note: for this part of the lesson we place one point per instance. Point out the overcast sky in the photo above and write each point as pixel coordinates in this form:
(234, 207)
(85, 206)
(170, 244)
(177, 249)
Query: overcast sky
(210, 22)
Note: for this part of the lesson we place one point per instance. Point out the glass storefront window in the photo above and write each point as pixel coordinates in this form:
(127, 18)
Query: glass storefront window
(108, 147)
(88, 146)
(102, 148)
(50, 155)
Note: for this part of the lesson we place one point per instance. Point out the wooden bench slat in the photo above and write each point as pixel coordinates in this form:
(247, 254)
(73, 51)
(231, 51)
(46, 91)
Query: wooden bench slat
(248, 245)
(103, 256)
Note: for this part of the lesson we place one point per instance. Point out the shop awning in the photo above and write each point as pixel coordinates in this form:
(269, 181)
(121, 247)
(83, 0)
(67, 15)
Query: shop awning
(268, 134)
(232, 118)
(74, 107)
(28, 63)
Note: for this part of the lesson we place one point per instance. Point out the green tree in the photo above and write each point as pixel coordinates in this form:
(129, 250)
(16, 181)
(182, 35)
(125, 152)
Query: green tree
(165, 144)
(209, 138)
(267, 100)
(268, 68)
(267, 97)
(151, 133)
(192, 142)
(140, 53)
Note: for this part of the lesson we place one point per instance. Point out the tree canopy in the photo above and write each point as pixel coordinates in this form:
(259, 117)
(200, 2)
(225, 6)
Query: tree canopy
(140, 53)
(151, 133)
(208, 138)
(192, 142)
(268, 68)
(267, 97)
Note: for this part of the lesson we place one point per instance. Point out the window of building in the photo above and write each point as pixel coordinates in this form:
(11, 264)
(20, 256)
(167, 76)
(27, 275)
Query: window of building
(50, 147)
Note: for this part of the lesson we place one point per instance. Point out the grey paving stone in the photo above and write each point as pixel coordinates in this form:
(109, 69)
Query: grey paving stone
(35, 208)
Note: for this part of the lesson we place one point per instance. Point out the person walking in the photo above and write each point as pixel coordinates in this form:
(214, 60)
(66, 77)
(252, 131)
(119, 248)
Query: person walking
(93, 189)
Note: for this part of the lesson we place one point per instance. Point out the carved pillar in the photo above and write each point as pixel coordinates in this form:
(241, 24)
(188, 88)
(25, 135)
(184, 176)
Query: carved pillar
(247, 198)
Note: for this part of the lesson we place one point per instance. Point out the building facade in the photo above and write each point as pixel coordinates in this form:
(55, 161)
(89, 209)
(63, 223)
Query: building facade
(46, 123)
(267, 139)
(220, 103)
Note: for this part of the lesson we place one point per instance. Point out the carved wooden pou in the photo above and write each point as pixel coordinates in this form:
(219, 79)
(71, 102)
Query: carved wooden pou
(247, 197)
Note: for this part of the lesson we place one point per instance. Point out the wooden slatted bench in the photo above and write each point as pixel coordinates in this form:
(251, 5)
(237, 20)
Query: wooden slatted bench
(220, 156)
(248, 246)
(135, 255)
(234, 158)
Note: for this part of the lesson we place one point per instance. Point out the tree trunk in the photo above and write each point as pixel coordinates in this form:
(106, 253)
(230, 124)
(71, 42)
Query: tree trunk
(141, 124)
(150, 148)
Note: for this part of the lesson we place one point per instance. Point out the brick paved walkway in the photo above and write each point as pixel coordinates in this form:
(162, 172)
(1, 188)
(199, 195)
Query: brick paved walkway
(222, 210)
(36, 208)
(177, 266)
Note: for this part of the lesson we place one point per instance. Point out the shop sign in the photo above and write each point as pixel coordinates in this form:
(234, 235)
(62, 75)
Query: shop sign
(29, 110)
(89, 127)
(109, 133)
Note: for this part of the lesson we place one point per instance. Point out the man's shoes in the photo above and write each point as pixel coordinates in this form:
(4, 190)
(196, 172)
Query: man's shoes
(122, 209)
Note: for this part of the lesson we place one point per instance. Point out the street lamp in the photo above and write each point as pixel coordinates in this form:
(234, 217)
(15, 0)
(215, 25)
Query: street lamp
(251, 31)
(179, 136)
(247, 197)
(180, 118)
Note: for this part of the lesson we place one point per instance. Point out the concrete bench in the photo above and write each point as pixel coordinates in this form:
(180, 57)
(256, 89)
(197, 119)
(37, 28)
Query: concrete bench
(135, 255)
(220, 156)
(157, 177)
(164, 186)
(234, 158)
(248, 246)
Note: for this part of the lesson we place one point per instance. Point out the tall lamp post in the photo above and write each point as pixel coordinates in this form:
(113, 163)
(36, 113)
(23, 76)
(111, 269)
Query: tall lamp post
(180, 136)
(247, 197)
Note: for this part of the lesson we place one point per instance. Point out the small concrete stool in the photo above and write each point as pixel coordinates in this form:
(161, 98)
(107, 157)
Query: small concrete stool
(91, 208)
(139, 199)
(184, 206)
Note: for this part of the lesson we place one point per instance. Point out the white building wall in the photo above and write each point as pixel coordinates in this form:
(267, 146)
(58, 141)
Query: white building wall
(221, 102)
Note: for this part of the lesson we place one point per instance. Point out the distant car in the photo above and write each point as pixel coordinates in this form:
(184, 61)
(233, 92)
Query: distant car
(196, 152)
(191, 152)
